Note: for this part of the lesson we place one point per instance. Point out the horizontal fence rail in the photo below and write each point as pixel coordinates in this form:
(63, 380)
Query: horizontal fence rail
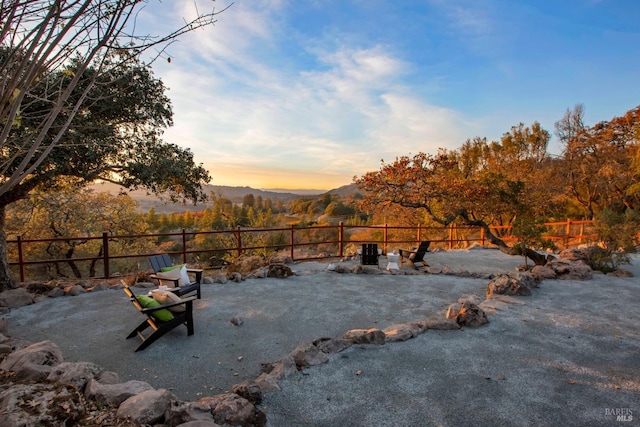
(299, 243)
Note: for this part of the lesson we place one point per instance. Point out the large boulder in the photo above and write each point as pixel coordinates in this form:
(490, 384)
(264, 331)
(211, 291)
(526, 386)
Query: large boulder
(114, 393)
(145, 408)
(512, 284)
(231, 409)
(467, 314)
(14, 298)
(34, 362)
(75, 373)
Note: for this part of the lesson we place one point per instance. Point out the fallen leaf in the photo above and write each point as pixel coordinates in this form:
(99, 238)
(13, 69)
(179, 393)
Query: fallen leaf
(358, 372)
(501, 378)
(571, 381)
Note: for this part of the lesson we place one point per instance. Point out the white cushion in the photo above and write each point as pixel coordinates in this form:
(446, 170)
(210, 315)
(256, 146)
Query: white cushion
(184, 276)
(165, 297)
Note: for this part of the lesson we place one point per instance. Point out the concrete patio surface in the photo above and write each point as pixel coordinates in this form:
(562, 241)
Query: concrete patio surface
(567, 355)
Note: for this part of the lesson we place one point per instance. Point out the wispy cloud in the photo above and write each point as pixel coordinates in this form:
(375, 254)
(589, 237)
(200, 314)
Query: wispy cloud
(274, 90)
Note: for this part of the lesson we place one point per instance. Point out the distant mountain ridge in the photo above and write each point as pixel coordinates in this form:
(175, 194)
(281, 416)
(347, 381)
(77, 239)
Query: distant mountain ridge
(235, 194)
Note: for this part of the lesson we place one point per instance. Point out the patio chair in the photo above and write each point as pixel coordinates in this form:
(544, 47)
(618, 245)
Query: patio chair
(169, 275)
(416, 255)
(370, 254)
(159, 318)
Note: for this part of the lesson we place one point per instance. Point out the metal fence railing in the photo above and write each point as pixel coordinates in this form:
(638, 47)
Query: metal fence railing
(101, 254)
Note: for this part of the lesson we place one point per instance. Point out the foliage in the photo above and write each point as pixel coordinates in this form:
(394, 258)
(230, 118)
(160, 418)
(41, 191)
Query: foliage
(77, 104)
(619, 234)
(530, 234)
(599, 161)
(82, 215)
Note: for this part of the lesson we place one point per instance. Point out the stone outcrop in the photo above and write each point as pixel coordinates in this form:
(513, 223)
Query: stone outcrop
(365, 336)
(512, 284)
(467, 314)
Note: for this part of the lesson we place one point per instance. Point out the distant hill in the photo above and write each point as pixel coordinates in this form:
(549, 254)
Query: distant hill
(235, 194)
(346, 190)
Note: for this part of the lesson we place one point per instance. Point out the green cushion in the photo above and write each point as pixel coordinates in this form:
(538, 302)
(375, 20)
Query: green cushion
(165, 269)
(146, 301)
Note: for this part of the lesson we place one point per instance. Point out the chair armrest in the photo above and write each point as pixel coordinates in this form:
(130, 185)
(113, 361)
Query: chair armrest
(161, 279)
(197, 272)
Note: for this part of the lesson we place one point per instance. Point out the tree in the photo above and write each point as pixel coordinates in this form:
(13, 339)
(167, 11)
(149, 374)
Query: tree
(64, 66)
(81, 214)
(473, 185)
(598, 161)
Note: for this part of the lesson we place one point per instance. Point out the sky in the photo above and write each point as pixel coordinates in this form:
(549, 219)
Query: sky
(307, 94)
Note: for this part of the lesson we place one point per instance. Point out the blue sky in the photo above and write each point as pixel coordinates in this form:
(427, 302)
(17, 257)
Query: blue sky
(306, 94)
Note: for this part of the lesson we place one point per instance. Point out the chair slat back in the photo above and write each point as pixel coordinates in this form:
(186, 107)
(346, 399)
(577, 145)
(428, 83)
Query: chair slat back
(420, 252)
(158, 262)
(369, 253)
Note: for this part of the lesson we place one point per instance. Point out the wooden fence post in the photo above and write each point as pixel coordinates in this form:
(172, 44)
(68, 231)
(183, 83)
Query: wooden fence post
(184, 246)
(340, 239)
(385, 234)
(291, 241)
(419, 233)
(20, 264)
(568, 233)
(105, 254)
(239, 238)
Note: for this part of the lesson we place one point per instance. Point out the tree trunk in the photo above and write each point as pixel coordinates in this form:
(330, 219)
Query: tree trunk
(537, 258)
(5, 272)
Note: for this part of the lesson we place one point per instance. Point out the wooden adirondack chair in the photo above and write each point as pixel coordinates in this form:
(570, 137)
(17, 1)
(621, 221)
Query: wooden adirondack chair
(370, 254)
(160, 327)
(159, 262)
(416, 256)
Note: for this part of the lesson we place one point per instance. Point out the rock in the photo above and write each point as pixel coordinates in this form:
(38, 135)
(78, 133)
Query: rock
(235, 277)
(56, 292)
(268, 380)
(307, 354)
(512, 284)
(541, 272)
(231, 409)
(14, 298)
(279, 271)
(401, 332)
(441, 323)
(220, 278)
(236, 320)
(114, 393)
(569, 270)
(75, 290)
(108, 377)
(40, 404)
(77, 374)
(331, 345)
(357, 269)
(365, 336)
(34, 362)
(433, 270)
(144, 408)
(467, 314)
(620, 273)
(183, 412)
(199, 423)
(249, 390)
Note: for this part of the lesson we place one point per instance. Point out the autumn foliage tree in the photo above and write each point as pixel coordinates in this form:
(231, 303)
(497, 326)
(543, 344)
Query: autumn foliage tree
(77, 103)
(481, 184)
